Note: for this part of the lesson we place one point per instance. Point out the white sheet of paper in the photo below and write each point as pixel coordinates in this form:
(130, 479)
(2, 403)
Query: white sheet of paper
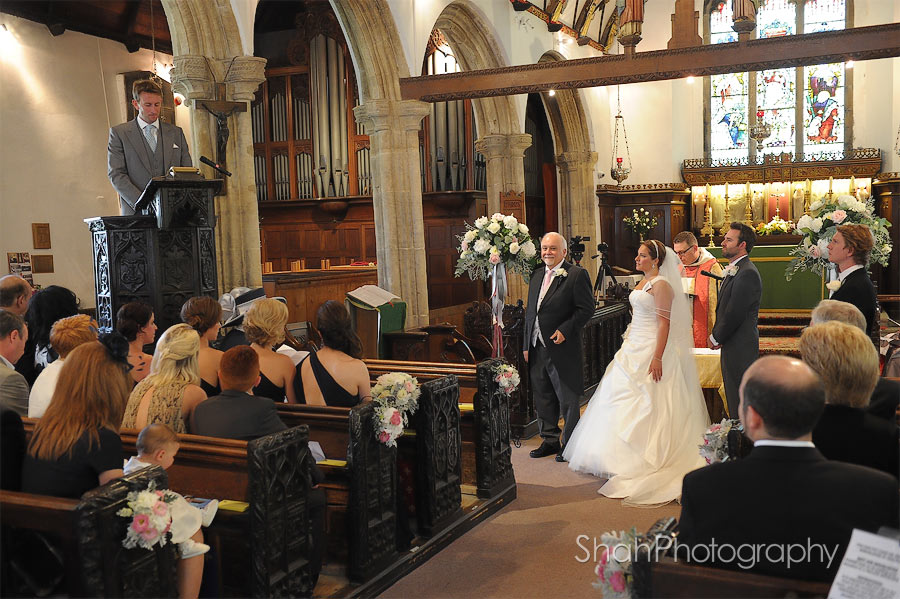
(372, 295)
(294, 354)
(870, 569)
(316, 450)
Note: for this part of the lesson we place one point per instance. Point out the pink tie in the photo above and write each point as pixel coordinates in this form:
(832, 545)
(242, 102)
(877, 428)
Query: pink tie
(547, 278)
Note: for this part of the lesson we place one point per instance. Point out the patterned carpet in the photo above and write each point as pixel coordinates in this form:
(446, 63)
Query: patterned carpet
(779, 332)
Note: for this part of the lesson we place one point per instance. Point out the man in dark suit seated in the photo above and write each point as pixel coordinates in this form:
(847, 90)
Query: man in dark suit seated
(784, 510)
(235, 414)
(847, 362)
(886, 396)
(849, 250)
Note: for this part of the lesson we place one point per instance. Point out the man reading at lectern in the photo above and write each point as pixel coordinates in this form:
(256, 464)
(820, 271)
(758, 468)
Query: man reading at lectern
(143, 148)
(705, 292)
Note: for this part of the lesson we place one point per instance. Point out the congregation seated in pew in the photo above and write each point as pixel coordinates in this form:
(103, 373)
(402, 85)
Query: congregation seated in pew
(264, 326)
(845, 359)
(172, 390)
(785, 491)
(66, 334)
(45, 307)
(136, 322)
(335, 375)
(204, 315)
(13, 386)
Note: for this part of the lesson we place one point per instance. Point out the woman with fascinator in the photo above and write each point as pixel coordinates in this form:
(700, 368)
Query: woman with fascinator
(76, 446)
(641, 429)
(172, 390)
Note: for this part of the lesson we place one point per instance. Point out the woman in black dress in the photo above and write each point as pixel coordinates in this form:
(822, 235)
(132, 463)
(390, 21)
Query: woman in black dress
(204, 314)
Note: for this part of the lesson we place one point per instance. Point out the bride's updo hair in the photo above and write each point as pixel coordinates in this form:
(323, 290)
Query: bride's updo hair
(656, 249)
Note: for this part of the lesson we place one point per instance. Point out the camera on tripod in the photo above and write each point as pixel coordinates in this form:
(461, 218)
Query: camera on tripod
(576, 247)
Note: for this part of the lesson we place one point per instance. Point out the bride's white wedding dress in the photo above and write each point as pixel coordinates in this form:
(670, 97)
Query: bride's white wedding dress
(640, 434)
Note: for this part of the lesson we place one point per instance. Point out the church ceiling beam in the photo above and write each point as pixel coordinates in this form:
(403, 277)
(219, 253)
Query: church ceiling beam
(861, 43)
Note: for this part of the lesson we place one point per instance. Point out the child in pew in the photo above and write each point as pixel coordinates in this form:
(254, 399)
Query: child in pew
(157, 445)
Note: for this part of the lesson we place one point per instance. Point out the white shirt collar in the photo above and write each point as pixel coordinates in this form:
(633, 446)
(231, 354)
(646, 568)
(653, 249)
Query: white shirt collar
(739, 259)
(843, 274)
(783, 443)
(7, 363)
(144, 123)
(557, 267)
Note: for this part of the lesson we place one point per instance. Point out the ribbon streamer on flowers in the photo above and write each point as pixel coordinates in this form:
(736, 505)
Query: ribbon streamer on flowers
(498, 297)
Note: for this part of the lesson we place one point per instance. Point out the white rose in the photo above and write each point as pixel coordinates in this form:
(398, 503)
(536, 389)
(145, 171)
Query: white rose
(497, 217)
(510, 222)
(528, 249)
(804, 222)
(481, 246)
(813, 207)
(523, 229)
(887, 248)
(514, 248)
(823, 248)
(816, 225)
(470, 235)
(494, 227)
(846, 201)
(480, 222)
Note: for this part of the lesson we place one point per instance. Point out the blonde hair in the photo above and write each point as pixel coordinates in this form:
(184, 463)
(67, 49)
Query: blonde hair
(155, 437)
(845, 359)
(90, 393)
(68, 333)
(175, 358)
(264, 322)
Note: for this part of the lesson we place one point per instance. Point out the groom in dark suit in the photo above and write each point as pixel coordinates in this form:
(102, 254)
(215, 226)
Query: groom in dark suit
(560, 303)
(143, 148)
(849, 249)
(736, 330)
(785, 493)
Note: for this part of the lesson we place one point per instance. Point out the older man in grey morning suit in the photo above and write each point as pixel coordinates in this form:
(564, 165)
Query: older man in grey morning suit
(143, 148)
(13, 388)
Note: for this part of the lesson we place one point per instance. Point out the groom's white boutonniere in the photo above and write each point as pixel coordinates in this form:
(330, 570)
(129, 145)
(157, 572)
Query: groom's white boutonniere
(731, 270)
(562, 272)
(833, 285)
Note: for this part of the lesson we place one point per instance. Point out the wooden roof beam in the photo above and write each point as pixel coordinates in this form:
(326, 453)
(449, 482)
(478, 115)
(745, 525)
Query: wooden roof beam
(860, 43)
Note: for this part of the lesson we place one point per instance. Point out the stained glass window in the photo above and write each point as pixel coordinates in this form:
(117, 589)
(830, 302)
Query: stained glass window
(778, 92)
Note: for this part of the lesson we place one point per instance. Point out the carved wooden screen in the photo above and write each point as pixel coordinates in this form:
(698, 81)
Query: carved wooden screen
(493, 454)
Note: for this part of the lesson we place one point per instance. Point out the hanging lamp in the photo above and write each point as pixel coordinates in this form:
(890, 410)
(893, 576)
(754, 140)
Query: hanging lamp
(621, 165)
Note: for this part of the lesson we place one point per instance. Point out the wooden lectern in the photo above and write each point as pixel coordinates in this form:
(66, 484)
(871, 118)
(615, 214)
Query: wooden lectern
(161, 257)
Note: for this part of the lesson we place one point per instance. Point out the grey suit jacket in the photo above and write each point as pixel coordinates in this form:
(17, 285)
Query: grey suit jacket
(236, 415)
(13, 390)
(128, 163)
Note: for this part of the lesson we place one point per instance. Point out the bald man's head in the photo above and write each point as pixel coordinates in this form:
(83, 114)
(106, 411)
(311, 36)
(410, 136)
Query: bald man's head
(785, 393)
(15, 292)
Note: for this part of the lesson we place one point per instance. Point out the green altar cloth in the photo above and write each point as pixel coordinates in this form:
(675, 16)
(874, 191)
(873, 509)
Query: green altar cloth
(802, 292)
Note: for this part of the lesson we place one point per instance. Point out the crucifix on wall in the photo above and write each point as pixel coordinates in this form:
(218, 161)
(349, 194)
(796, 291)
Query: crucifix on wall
(222, 109)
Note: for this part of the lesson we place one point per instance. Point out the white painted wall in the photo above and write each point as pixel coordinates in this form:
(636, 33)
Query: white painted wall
(58, 98)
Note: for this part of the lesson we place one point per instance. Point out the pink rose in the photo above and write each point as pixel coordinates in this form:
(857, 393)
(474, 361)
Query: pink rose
(715, 427)
(384, 436)
(617, 580)
(159, 508)
(409, 386)
(140, 523)
(494, 259)
(814, 250)
(464, 245)
(149, 535)
(600, 573)
(604, 557)
(159, 494)
(395, 418)
(838, 216)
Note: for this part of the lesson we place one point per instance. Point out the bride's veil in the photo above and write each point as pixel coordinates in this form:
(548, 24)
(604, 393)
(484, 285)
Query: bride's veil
(681, 336)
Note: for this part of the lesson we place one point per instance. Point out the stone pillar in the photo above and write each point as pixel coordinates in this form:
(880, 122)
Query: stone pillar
(504, 156)
(393, 128)
(237, 226)
(577, 203)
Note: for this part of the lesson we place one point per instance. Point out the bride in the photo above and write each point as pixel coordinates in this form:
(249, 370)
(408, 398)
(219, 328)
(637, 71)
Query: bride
(642, 427)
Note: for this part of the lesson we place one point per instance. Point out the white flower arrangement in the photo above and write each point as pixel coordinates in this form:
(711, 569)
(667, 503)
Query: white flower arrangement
(715, 441)
(614, 572)
(820, 225)
(397, 396)
(776, 226)
(500, 239)
(640, 221)
(507, 377)
(150, 517)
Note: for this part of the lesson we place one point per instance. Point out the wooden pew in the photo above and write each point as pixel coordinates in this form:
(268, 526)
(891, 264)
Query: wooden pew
(89, 534)
(270, 541)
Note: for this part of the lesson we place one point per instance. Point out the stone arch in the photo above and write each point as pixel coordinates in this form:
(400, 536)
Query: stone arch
(575, 161)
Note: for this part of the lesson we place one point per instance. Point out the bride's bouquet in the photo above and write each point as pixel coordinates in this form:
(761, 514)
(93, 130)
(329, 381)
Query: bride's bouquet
(715, 441)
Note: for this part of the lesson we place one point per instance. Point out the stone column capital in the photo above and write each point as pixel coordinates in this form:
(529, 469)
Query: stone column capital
(571, 161)
(391, 115)
(243, 76)
(502, 146)
(192, 77)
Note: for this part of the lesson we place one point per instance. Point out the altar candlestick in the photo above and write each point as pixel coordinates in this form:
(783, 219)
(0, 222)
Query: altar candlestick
(830, 180)
(808, 186)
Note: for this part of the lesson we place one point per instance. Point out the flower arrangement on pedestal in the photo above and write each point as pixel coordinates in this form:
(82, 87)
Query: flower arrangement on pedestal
(150, 517)
(489, 248)
(715, 441)
(820, 225)
(614, 572)
(641, 222)
(397, 396)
